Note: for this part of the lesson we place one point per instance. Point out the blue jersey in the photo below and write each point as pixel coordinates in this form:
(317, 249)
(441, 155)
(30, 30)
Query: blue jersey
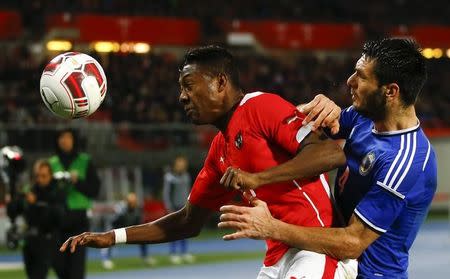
(389, 183)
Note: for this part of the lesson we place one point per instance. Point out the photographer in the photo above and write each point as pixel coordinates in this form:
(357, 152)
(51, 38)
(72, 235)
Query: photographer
(81, 183)
(42, 206)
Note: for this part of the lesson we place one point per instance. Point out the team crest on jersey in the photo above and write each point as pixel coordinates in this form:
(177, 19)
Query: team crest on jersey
(367, 163)
(238, 140)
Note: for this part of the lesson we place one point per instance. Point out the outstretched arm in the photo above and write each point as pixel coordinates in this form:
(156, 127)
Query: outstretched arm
(184, 223)
(317, 155)
(257, 223)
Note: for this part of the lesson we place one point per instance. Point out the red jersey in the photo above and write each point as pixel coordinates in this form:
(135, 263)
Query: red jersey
(263, 132)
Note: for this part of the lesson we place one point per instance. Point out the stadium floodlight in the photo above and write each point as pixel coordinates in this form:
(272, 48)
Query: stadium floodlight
(428, 53)
(141, 48)
(241, 39)
(59, 45)
(437, 53)
(106, 46)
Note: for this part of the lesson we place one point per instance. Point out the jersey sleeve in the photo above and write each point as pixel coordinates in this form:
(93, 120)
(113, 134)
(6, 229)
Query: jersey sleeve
(207, 191)
(347, 121)
(279, 121)
(394, 183)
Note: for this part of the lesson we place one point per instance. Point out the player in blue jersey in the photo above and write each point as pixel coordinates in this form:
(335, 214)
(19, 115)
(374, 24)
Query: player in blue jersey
(386, 188)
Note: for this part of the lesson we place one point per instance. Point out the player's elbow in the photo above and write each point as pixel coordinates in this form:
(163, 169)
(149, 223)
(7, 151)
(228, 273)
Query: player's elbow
(190, 226)
(351, 248)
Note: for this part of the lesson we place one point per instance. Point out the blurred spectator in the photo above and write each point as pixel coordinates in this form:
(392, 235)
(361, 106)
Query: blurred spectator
(143, 89)
(129, 216)
(43, 207)
(176, 189)
(75, 170)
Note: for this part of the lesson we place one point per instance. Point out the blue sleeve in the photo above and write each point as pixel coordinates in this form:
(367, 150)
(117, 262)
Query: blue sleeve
(395, 178)
(347, 121)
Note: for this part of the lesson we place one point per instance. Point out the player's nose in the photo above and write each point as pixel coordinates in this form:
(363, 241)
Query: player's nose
(183, 98)
(351, 81)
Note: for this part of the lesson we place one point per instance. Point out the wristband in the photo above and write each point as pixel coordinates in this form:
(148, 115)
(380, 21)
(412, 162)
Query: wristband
(120, 236)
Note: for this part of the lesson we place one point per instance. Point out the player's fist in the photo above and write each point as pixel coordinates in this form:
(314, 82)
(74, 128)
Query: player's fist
(89, 239)
(240, 180)
(323, 111)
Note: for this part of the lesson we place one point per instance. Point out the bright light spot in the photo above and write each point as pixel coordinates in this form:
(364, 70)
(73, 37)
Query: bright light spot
(141, 48)
(427, 53)
(59, 45)
(437, 53)
(106, 46)
(126, 47)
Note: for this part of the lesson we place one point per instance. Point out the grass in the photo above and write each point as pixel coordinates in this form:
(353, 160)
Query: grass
(135, 263)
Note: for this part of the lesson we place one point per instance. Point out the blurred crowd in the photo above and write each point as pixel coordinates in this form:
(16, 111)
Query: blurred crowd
(144, 88)
(375, 17)
(391, 11)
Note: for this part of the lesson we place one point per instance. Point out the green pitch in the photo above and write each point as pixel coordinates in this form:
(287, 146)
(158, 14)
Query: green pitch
(137, 263)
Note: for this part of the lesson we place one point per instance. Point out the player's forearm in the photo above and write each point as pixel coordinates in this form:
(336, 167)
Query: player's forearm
(173, 226)
(335, 242)
(313, 160)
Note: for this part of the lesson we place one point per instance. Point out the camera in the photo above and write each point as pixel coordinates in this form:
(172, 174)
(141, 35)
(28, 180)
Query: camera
(62, 176)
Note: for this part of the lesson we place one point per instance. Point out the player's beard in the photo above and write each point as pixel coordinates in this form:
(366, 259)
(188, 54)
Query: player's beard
(374, 106)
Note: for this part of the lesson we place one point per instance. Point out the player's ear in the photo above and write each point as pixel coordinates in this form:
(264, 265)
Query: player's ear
(222, 81)
(392, 90)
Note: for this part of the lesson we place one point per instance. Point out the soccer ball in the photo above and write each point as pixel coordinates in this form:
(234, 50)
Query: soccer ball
(73, 85)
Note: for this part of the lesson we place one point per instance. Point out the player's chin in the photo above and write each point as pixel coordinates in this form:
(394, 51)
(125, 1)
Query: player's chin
(357, 106)
(195, 120)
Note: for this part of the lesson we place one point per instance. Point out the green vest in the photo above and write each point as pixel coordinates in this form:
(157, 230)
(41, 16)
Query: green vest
(75, 199)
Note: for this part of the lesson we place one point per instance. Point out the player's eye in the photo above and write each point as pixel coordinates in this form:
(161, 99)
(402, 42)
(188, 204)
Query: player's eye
(188, 87)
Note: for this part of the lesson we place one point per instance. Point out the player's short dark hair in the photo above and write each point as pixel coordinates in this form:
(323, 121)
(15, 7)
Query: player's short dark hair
(215, 60)
(400, 61)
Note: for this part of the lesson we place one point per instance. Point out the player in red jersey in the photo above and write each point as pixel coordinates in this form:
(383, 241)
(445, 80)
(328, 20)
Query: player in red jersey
(259, 132)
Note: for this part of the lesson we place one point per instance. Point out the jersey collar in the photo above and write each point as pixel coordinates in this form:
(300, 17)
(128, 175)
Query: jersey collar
(397, 132)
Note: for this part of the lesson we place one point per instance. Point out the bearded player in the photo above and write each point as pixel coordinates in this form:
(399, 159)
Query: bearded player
(385, 190)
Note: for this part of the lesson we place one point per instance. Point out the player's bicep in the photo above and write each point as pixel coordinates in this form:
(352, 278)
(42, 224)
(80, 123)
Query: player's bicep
(379, 209)
(392, 186)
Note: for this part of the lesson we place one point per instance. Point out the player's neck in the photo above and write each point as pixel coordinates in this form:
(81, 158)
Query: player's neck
(397, 119)
(231, 106)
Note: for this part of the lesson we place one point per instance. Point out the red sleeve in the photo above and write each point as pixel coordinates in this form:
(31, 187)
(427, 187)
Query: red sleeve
(207, 191)
(279, 121)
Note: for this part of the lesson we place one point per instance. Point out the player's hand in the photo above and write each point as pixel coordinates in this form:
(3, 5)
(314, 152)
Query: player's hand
(74, 177)
(89, 239)
(240, 180)
(249, 222)
(323, 111)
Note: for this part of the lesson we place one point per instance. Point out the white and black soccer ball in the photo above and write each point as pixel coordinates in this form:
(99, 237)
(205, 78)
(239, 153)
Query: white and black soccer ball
(73, 85)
